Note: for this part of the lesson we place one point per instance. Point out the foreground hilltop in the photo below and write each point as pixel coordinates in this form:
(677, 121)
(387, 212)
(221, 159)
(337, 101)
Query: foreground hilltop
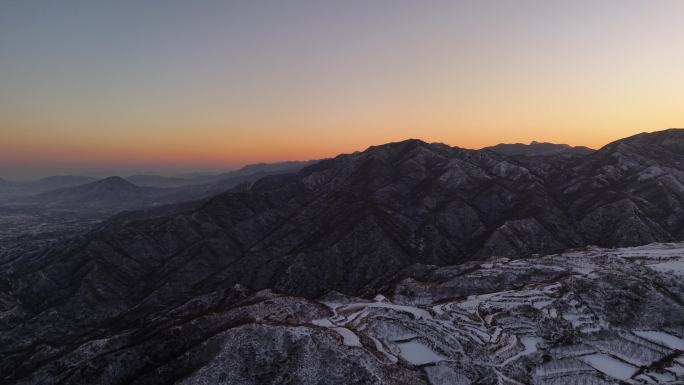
(593, 316)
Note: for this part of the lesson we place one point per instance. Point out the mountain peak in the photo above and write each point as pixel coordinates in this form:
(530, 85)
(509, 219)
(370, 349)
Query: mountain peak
(402, 144)
(536, 143)
(112, 184)
(111, 191)
(536, 148)
(664, 137)
(406, 146)
(664, 141)
(114, 181)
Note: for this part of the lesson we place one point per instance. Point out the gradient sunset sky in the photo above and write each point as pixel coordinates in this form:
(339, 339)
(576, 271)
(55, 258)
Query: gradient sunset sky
(136, 86)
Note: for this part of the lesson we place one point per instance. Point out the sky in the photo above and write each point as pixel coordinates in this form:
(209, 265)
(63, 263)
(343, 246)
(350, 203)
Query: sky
(167, 86)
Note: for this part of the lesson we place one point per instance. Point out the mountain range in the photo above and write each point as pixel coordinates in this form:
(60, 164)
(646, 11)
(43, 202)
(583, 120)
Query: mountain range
(354, 218)
(111, 191)
(12, 188)
(137, 191)
(356, 224)
(248, 171)
(538, 149)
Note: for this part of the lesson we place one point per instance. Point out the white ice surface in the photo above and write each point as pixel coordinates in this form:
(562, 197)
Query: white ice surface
(323, 322)
(673, 266)
(662, 338)
(348, 336)
(610, 366)
(418, 354)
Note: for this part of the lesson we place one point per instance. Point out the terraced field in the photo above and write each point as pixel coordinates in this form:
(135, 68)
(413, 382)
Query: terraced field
(565, 325)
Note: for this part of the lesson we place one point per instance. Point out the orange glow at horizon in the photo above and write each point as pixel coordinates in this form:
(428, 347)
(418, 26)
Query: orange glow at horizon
(223, 84)
(228, 152)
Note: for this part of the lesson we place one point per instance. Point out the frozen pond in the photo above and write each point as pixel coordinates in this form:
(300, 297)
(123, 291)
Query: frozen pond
(610, 366)
(418, 354)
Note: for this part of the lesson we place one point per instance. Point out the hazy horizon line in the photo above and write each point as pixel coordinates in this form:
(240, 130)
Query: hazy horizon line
(187, 171)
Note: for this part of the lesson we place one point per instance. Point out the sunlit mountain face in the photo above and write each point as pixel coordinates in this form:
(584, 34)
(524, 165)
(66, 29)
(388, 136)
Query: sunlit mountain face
(359, 192)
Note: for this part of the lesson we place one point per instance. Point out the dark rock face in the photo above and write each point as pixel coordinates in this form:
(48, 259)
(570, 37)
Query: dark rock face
(348, 224)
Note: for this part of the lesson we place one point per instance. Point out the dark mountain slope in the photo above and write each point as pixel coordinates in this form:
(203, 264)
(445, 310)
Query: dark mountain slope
(630, 192)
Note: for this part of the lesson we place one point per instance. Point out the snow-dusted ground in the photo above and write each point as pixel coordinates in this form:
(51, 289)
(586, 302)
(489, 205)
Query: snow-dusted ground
(594, 316)
(662, 257)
